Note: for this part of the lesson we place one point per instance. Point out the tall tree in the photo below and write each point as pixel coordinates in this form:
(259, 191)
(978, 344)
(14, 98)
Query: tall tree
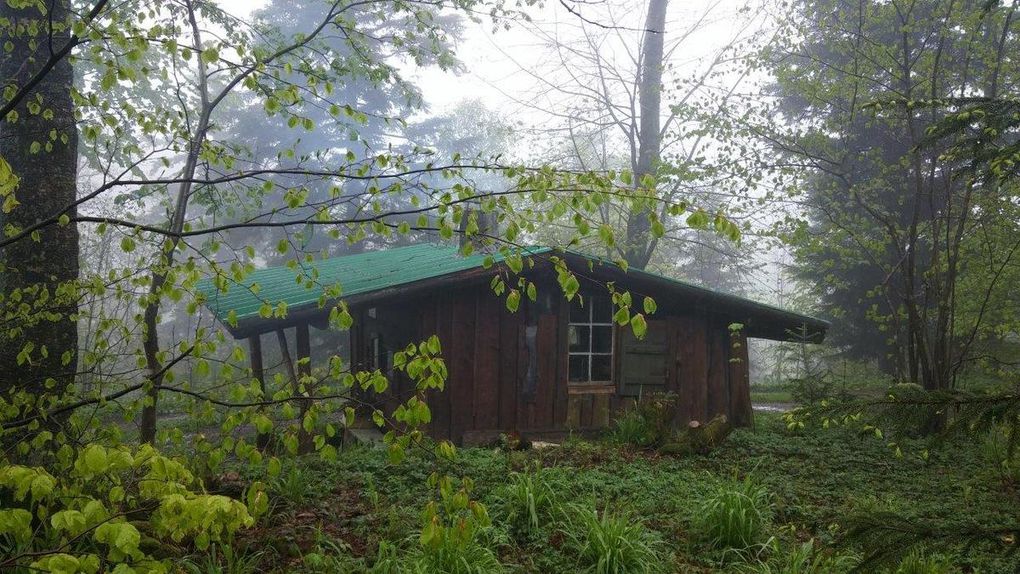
(888, 215)
(616, 96)
(639, 243)
(39, 152)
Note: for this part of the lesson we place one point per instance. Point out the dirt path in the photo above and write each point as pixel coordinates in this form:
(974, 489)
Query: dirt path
(774, 407)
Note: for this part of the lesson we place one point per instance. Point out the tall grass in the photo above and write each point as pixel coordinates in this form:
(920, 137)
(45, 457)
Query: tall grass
(292, 486)
(526, 503)
(918, 562)
(611, 542)
(1004, 456)
(804, 558)
(631, 427)
(225, 559)
(734, 517)
(649, 422)
(468, 557)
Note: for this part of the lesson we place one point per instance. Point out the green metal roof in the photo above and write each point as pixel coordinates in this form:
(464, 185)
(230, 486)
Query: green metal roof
(377, 271)
(356, 274)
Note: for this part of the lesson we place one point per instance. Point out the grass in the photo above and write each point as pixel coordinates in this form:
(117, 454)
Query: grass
(611, 542)
(526, 504)
(735, 517)
(805, 486)
(771, 396)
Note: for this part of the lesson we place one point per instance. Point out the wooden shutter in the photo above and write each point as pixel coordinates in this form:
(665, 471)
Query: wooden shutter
(643, 363)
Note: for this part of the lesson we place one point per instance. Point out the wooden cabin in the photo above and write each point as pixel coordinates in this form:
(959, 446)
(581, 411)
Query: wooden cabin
(552, 366)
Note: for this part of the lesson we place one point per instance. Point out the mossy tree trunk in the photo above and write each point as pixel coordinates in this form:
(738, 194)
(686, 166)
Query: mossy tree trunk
(38, 299)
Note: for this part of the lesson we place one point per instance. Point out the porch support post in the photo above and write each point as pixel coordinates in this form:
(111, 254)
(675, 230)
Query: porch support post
(304, 351)
(259, 373)
(304, 437)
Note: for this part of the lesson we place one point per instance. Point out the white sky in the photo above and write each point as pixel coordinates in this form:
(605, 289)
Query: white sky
(494, 60)
(498, 65)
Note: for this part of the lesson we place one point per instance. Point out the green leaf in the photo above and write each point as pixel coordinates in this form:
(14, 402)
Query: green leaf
(72, 521)
(622, 316)
(210, 55)
(94, 458)
(638, 324)
(513, 300)
(649, 305)
(263, 424)
(17, 523)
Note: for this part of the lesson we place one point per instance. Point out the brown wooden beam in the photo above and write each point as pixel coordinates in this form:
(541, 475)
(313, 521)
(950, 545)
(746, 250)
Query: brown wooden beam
(304, 438)
(258, 372)
(304, 351)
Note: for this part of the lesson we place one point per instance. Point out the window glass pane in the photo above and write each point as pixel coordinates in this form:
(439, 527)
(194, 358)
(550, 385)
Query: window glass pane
(602, 309)
(578, 336)
(602, 339)
(601, 367)
(579, 314)
(579, 368)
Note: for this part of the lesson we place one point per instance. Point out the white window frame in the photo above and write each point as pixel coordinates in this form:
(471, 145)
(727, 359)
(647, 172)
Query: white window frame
(589, 308)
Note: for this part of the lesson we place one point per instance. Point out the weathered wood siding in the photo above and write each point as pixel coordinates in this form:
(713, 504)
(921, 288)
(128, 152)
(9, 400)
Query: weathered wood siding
(741, 411)
(496, 385)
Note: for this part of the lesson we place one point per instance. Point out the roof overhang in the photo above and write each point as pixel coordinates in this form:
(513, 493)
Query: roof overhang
(758, 320)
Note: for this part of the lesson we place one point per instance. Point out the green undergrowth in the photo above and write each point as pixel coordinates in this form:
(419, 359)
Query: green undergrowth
(766, 501)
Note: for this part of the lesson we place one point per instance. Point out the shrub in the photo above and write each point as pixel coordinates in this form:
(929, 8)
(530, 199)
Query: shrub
(611, 542)
(735, 516)
(449, 541)
(526, 503)
(811, 389)
(100, 504)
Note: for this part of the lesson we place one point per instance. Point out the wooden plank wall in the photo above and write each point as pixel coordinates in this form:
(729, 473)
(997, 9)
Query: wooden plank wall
(487, 361)
(559, 381)
(702, 374)
(488, 312)
(461, 364)
(718, 371)
(673, 362)
(545, 403)
(741, 411)
(511, 340)
(440, 400)
(692, 352)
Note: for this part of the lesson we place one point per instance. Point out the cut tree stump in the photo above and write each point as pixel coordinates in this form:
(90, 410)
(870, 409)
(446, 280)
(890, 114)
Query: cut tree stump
(700, 438)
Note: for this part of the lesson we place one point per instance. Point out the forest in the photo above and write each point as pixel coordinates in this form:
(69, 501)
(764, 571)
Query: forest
(486, 286)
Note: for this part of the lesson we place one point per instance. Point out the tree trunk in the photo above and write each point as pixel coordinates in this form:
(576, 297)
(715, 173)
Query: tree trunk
(640, 242)
(165, 258)
(41, 146)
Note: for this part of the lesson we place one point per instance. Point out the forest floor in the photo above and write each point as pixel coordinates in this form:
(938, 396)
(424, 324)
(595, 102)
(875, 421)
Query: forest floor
(332, 516)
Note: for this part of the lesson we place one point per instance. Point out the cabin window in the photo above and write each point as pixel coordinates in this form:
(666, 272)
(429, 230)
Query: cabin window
(377, 353)
(590, 336)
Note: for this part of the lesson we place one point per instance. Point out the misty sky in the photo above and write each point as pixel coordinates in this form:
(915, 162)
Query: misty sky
(498, 64)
